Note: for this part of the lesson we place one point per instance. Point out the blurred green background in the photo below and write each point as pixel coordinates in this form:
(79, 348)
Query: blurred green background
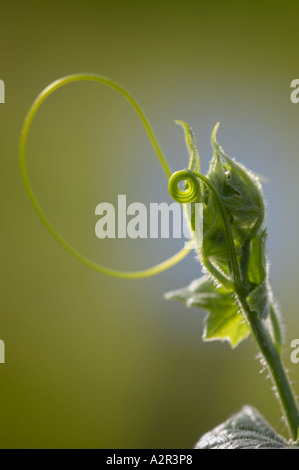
(99, 362)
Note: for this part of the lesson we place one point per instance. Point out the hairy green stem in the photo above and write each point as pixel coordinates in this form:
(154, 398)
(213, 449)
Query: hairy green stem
(276, 368)
(216, 273)
(268, 349)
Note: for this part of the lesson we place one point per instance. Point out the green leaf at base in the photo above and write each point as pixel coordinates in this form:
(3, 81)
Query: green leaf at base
(224, 321)
(244, 430)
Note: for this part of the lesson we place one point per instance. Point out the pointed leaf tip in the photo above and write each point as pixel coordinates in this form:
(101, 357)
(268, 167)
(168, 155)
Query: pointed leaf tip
(214, 133)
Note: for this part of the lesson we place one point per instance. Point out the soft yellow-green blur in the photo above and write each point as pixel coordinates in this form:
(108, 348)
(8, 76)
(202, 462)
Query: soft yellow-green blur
(93, 361)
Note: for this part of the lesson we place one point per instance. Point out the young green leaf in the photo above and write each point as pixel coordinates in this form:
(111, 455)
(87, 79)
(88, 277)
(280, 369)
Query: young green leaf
(194, 165)
(257, 262)
(240, 190)
(242, 198)
(244, 430)
(258, 300)
(224, 321)
(194, 158)
(232, 248)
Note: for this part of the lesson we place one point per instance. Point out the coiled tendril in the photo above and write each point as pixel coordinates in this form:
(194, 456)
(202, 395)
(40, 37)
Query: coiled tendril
(24, 136)
(191, 192)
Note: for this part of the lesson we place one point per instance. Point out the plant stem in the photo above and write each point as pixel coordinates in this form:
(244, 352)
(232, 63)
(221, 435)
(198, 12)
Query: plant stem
(276, 368)
(268, 349)
(265, 343)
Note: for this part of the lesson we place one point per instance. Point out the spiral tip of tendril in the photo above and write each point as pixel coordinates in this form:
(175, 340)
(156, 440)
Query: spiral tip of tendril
(192, 191)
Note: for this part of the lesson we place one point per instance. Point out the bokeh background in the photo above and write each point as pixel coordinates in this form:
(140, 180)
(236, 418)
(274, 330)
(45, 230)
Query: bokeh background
(94, 361)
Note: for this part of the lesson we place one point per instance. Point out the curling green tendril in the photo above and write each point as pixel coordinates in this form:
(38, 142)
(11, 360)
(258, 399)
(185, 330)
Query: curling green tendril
(24, 136)
(192, 193)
